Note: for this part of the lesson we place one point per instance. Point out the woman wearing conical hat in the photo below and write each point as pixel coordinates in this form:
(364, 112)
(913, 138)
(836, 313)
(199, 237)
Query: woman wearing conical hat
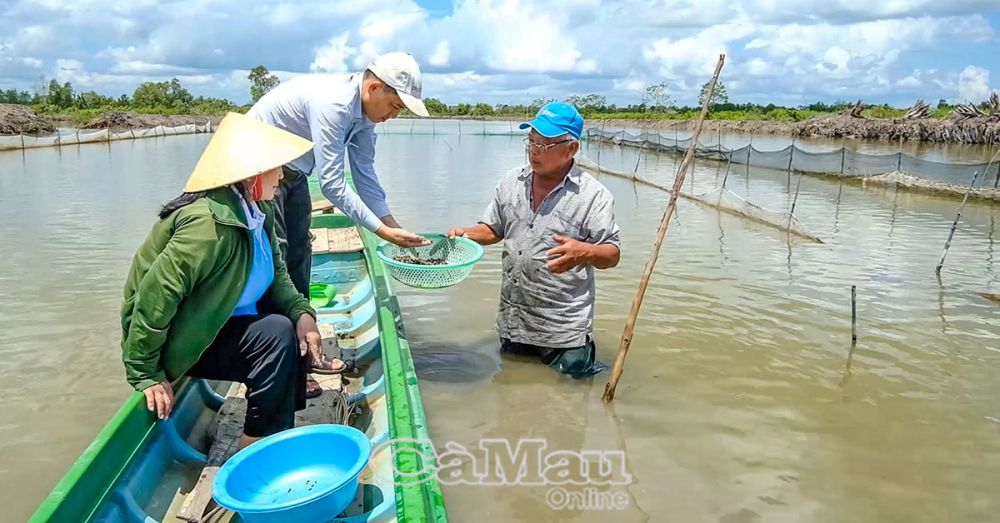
(202, 287)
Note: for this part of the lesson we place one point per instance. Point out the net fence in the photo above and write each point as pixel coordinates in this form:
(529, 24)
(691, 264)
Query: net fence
(721, 198)
(84, 136)
(841, 162)
(435, 127)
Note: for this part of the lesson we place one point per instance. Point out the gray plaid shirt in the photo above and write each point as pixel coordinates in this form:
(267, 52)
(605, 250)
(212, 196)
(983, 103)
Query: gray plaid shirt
(536, 306)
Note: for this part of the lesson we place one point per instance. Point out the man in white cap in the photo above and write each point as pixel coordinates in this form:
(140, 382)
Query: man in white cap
(339, 116)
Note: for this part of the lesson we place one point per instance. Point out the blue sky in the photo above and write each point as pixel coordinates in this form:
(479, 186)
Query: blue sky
(781, 51)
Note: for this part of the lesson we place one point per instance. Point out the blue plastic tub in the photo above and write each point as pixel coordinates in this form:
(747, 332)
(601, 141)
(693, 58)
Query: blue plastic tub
(305, 474)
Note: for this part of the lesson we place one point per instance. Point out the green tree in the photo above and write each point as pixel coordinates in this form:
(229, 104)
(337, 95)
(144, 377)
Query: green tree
(13, 96)
(150, 94)
(588, 103)
(162, 95)
(179, 97)
(482, 109)
(658, 97)
(92, 100)
(538, 103)
(435, 106)
(60, 95)
(261, 81)
(719, 96)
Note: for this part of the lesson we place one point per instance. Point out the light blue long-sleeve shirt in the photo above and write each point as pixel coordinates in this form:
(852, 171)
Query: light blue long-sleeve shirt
(262, 268)
(327, 110)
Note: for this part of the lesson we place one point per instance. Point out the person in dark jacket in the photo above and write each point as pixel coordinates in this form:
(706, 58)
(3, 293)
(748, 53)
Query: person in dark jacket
(208, 294)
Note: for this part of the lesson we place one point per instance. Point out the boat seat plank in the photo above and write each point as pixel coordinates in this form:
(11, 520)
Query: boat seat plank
(321, 241)
(336, 240)
(323, 206)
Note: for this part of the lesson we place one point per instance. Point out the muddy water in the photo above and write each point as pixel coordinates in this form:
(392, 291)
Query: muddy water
(741, 399)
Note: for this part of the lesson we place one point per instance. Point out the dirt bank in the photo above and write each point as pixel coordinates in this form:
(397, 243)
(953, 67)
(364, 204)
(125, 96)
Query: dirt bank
(122, 121)
(20, 119)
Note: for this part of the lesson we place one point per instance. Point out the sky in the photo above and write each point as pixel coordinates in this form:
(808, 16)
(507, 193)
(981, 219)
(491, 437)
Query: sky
(787, 52)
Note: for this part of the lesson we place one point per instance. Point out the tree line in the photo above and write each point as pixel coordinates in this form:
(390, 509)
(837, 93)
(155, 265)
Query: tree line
(168, 97)
(656, 101)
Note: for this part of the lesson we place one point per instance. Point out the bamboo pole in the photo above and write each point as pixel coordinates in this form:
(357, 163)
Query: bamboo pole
(626, 340)
(854, 316)
(791, 155)
(749, 150)
(795, 200)
(729, 163)
(947, 244)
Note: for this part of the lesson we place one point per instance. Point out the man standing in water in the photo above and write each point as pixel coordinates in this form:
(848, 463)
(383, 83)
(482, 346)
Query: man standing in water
(339, 116)
(557, 224)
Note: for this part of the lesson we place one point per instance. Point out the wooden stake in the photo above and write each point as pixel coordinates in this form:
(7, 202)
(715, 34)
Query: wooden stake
(626, 340)
(795, 200)
(947, 244)
(854, 315)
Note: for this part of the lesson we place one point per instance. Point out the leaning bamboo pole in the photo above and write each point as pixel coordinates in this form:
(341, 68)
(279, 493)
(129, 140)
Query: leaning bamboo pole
(954, 225)
(626, 340)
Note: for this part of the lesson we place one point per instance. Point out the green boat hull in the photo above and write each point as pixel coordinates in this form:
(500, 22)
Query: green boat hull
(135, 467)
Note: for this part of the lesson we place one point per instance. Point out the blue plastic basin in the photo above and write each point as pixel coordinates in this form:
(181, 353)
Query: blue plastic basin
(305, 474)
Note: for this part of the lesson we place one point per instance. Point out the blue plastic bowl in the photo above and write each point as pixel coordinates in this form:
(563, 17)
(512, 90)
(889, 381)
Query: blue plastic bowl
(306, 474)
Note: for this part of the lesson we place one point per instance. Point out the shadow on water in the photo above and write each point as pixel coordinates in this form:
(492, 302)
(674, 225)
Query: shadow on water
(456, 363)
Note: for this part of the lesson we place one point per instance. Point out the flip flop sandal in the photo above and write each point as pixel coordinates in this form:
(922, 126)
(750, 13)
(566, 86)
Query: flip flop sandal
(348, 366)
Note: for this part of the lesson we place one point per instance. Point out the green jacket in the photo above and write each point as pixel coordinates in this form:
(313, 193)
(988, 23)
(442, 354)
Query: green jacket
(185, 281)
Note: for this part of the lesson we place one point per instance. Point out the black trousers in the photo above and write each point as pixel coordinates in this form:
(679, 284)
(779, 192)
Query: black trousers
(293, 206)
(261, 352)
(578, 362)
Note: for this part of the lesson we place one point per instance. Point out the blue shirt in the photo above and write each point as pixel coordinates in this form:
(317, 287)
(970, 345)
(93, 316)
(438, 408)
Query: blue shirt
(327, 110)
(262, 266)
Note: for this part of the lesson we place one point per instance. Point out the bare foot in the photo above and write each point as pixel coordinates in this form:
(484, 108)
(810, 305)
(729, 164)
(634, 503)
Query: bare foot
(246, 441)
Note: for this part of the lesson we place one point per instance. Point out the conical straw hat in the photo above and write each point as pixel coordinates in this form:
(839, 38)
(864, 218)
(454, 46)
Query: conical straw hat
(243, 147)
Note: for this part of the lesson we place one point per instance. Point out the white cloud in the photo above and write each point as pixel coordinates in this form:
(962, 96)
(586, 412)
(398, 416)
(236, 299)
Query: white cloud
(835, 62)
(138, 67)
(332, 57)
(782, 51)
(910, 82)
(631, 84)
(386, 25)
(859, 59)
(690, 61)
(441, 54)
(974, 84)
(758, 67)
(68, 70)
(516, 36)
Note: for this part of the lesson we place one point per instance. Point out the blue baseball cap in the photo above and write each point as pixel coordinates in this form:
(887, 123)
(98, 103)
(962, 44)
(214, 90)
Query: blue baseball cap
(556, 119)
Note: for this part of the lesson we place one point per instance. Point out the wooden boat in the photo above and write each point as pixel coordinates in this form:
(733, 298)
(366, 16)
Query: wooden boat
(141, 470)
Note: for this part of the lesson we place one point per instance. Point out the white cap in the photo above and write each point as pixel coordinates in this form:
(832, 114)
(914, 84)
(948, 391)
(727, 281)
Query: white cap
(400, 71)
